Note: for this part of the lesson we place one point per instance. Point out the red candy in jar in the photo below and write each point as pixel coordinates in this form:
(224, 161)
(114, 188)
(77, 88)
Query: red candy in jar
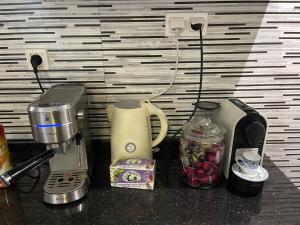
(206, 180)
(214, 170)
(183, 171)
(198, 164)
(211, 157)
(208, 173)
(200, 173)
(214, 178)
(215, 147)
(215, 174)
(206, 166)
(189, 171)
(194, 182)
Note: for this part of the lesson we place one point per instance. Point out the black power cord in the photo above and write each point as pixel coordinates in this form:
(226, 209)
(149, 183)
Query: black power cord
(198, 27)
(195, 27)
(36, 181)
(35, 61)
(33, 174)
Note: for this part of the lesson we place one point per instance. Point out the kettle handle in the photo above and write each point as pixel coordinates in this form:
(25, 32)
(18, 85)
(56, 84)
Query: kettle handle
(153, 110)
(109, 112)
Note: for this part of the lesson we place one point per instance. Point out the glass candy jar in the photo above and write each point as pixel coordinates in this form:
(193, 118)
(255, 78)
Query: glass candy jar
(201, 152)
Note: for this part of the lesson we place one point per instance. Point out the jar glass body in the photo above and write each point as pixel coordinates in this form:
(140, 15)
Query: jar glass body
(201, 152)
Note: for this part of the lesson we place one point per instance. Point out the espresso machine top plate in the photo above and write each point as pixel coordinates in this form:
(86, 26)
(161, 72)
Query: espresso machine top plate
(53, 115)
(59, 96)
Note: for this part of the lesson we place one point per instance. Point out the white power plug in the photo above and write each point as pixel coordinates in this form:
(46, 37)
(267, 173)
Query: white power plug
(177, 23)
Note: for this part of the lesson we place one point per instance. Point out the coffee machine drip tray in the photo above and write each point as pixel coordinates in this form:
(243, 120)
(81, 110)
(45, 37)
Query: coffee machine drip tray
(66, 186)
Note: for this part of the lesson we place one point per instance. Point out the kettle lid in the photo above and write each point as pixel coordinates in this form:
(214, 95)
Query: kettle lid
(128, 104)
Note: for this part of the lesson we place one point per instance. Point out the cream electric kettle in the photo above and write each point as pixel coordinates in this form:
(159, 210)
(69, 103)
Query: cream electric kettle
(131, 134)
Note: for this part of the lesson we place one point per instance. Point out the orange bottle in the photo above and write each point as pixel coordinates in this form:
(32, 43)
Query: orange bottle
(5, 162)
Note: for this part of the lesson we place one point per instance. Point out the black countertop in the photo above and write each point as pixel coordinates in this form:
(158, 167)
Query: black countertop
(169, 203)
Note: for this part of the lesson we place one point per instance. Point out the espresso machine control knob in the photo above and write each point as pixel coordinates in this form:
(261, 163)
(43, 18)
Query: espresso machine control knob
(254, 133)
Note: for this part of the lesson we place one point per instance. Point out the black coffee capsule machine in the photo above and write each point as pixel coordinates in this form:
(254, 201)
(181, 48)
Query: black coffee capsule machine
(246, 130)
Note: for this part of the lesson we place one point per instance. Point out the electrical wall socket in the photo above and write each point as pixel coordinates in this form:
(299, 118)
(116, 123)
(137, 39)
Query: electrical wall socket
(189, 18)
(41, 52)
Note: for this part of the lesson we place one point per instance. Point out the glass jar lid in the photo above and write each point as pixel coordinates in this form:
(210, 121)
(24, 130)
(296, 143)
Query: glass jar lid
(202, 128)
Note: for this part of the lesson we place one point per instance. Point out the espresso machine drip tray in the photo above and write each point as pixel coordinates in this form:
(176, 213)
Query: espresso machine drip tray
(66, 186)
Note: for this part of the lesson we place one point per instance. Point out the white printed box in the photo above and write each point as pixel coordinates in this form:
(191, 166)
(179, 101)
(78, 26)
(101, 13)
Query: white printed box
(133, 173)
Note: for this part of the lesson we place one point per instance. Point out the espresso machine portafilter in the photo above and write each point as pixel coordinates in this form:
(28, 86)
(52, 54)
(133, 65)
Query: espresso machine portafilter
(58, 118)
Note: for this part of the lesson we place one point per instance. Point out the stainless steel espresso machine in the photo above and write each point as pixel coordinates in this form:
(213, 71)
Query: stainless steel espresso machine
(58, 118)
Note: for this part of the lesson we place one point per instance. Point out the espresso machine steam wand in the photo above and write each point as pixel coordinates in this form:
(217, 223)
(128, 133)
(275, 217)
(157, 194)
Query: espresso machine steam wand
(17, 172)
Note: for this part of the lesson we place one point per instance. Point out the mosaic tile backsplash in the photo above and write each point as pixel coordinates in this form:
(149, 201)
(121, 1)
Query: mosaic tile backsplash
(118, 50)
